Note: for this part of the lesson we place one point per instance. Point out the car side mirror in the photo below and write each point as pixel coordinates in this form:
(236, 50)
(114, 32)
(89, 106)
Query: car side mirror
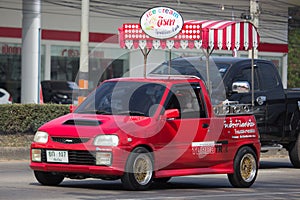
(72, 108)
(171, 114)
(241, 87)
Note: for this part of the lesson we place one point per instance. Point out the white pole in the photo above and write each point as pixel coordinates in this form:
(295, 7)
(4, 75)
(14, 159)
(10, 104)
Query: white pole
(47, 72)
(84, 49)
(254, 12)
(31, 27)
(284, 70)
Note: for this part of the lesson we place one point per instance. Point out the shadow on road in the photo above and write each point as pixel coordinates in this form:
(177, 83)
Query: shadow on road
(271, 163)
(190, 182)
(176, 183)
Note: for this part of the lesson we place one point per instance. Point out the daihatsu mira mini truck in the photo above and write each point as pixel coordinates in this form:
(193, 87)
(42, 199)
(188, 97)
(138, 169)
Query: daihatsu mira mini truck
(145, 130)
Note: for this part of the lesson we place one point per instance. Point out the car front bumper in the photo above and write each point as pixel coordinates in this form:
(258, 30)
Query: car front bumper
(82, 161)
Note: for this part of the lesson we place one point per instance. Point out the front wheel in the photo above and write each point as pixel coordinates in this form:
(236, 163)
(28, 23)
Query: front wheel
(245, 168)
(48, 178)
(138, 173)
(294, 153)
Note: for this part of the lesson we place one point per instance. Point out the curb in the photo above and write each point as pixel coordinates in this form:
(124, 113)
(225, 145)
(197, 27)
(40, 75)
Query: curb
(275, 153)
(14, 153)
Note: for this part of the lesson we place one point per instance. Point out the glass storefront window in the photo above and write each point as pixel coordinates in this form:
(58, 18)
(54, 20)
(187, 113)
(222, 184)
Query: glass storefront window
(104, 63)
(10, 69)
(277, 61)
(10, 75)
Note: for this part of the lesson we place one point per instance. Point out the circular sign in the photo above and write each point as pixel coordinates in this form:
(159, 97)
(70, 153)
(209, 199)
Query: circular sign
(161, 22)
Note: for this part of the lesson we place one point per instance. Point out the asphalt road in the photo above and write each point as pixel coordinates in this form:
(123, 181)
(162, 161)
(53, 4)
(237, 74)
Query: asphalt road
(277, 179)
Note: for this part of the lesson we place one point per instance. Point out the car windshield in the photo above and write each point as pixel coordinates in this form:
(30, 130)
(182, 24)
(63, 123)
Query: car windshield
(124, 98)
(60, 85)
(72, 85)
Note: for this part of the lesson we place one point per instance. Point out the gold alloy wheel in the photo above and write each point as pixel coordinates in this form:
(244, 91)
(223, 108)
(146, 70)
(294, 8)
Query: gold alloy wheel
(142, 169)
(248, 167)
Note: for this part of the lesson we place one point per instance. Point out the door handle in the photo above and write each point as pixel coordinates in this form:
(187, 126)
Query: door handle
(205, 125)
(261, 100)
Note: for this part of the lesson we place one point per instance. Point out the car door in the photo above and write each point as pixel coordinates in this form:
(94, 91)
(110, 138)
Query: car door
(272, 96)
(192, 144)
(268, 97)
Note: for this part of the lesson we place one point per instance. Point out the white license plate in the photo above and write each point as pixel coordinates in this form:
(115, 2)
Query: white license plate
(57, 156)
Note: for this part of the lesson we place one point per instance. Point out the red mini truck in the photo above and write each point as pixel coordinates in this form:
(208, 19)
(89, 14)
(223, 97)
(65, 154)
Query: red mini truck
(145, 130)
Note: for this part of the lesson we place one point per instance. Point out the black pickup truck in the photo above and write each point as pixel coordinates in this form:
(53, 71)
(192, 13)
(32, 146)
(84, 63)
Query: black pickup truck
(277, 110)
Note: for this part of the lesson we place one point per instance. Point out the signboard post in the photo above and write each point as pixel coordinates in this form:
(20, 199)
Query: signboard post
(163, 27)
(160, 23)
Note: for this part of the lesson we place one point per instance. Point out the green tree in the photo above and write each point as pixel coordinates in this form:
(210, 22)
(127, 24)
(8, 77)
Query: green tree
(294, 58)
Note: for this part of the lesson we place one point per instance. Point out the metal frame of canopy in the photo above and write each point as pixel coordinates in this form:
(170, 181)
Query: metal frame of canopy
(207, 35)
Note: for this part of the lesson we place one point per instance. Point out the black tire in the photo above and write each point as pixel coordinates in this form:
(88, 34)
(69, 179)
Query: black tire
(48, 178)
(294, 153)
(245, 168)
(161, 180)
(138, 173)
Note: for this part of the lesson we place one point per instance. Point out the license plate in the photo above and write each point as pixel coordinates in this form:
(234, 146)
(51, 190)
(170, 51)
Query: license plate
(57, 156)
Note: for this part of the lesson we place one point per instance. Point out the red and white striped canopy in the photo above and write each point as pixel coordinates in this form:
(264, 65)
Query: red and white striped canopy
(226, 35)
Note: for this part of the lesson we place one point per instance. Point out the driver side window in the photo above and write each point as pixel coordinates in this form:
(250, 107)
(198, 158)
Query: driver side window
(186, 98)
(245, 75)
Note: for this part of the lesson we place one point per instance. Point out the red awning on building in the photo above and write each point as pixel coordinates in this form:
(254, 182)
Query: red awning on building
(208, 34)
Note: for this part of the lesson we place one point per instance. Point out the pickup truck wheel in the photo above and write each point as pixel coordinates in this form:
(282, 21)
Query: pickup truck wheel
(138, 173)
(294, 153)
(48, 178)
(245, 168)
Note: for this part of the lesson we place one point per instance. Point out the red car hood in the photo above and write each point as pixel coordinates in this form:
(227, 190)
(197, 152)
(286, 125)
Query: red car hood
(90, 125)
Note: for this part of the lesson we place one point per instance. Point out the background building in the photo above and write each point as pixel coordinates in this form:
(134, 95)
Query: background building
(60, 36)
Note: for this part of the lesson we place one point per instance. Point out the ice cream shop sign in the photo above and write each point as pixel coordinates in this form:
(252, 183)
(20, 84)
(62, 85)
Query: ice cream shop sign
(161, 22)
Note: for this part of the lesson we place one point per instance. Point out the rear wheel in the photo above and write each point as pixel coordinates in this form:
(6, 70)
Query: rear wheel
(245, 168)
(294, 153)
(139, 170)
(48, 178)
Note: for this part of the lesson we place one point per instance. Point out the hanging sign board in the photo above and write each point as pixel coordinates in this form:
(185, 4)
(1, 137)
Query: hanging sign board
(161, 22)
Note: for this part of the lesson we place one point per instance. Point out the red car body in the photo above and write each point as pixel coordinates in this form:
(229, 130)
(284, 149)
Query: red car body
(177, 145)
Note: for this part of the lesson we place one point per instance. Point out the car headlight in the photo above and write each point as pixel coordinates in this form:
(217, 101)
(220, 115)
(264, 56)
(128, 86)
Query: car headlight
(106, 140)
(41, 137)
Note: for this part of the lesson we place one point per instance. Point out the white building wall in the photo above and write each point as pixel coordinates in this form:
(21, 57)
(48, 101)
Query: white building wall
(272, 28)
(11, 18)
(272, 24)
